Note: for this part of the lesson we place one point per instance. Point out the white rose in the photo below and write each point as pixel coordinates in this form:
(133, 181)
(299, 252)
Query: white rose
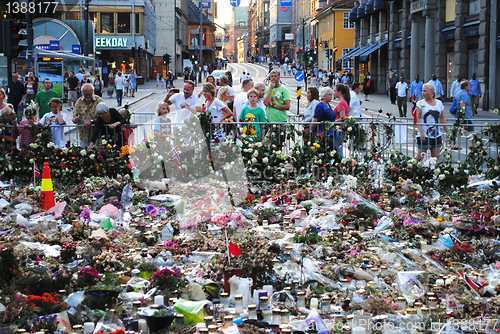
(92, 156)
(83, 153)
(104, 142)
(265, 160)
(349, 129)
(441, 176)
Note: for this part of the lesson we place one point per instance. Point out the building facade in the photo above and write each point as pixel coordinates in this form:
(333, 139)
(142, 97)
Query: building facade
(444, 37)
(125, 33)
(335, 33)
(205, 40)
(172, 31)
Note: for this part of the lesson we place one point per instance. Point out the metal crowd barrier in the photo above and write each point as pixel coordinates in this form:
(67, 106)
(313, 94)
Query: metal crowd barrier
(403, 136)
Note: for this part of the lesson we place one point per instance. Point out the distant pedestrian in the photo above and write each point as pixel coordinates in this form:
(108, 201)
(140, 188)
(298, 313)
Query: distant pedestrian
(463, 98)
(17, 94)
(416, 87)
(437, 86)
(111, 84)
(475, 93)
(455, 86)
(367, 82)
(119, 85)
(402, 88)
(392, 87)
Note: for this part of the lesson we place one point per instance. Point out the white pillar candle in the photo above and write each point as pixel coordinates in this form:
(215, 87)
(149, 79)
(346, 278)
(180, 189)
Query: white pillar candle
(448, 281)
(159, 300)
(88, 328)
(314, 303)
(440, 281)
(142, 326)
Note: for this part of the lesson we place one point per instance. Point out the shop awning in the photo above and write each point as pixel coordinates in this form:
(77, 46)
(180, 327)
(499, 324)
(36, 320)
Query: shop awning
(71, 56)
(347, 55)
(375, 47)
(362, 50)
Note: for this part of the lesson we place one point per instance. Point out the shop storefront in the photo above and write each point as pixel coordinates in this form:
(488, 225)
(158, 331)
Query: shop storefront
(123, 53)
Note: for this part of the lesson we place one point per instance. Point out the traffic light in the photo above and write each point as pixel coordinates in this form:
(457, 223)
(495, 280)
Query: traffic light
(166, 59)
(12, 36)
(197, 61)
(330, 53)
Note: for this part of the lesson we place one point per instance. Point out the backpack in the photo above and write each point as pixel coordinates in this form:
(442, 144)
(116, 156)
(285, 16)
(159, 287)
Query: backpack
(453, 108)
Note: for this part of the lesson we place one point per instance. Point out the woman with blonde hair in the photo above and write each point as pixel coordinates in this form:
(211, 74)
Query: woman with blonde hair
(217, 108)
(429, 112)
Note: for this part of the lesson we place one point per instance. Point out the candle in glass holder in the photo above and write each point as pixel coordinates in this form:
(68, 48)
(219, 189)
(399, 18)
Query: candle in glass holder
(224, 300)
(159, 300)
(285, 316)
(238, 304)
(440, 281)
(301, 299)
(276, 317)
(88, 328)
(252, 312)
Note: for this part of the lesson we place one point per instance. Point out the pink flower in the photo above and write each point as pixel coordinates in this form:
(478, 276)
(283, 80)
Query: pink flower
(497, 265)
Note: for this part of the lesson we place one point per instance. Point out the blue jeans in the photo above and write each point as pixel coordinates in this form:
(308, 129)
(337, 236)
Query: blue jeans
(119, 95)
(337, 142)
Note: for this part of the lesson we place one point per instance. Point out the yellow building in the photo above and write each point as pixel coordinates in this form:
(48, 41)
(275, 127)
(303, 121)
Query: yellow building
(335, 34)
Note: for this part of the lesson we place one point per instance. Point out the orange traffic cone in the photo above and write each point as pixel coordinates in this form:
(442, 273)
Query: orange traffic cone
(47, 192)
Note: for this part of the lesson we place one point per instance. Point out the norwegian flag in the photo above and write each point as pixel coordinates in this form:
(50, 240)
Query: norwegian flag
(414, 109)
(81, 187)
(473, 284)
(455, 240)
(479, 216)
(37, 171)
(232, 249)
(280, 200)
(176, 157)
(131, 163)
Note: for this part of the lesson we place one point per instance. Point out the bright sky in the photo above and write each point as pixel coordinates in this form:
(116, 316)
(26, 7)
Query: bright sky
(225, 10)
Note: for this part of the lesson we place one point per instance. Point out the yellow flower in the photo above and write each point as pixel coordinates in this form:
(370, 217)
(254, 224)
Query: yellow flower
(313, 148)
(440, 219)
(109, 146)
(150, 137)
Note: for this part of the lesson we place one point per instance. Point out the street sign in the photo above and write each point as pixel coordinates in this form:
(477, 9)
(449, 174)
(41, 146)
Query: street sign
(299, 76)
(54, 45)
(203, 4)
(75, 48)
(294, 45)
(299, 83)
(285, 3)
(235, 3)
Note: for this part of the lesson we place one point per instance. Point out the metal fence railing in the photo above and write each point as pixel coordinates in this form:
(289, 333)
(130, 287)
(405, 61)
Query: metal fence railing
(396, 134)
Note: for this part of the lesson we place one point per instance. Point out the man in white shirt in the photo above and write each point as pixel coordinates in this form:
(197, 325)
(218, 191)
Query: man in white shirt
(243, 77)
(182, 101)
(438, 87)
(401, 88)
(241, 98)
(355, 103)
(455, 86)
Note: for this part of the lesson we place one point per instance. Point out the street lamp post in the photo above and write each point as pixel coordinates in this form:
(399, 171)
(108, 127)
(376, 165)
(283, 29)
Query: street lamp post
(85, 44)
(201, 40)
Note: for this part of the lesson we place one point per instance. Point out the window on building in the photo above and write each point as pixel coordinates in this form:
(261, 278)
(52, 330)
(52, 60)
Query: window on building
(107, 23)
(72, 15)
(137, 23)
(58, 15)
(347, 24)
(93, 18)
(123, 23)
(347, 63)
(266, 7)
(474, 7)
(241, 23)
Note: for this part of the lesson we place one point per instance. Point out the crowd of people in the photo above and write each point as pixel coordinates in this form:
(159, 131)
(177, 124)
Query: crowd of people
(84, 100)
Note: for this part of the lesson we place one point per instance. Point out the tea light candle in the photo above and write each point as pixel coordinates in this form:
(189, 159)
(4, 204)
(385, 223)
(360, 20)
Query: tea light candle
(159, 300)
(88, 327)
(314, 303)
(401, 303)
(200, 325)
